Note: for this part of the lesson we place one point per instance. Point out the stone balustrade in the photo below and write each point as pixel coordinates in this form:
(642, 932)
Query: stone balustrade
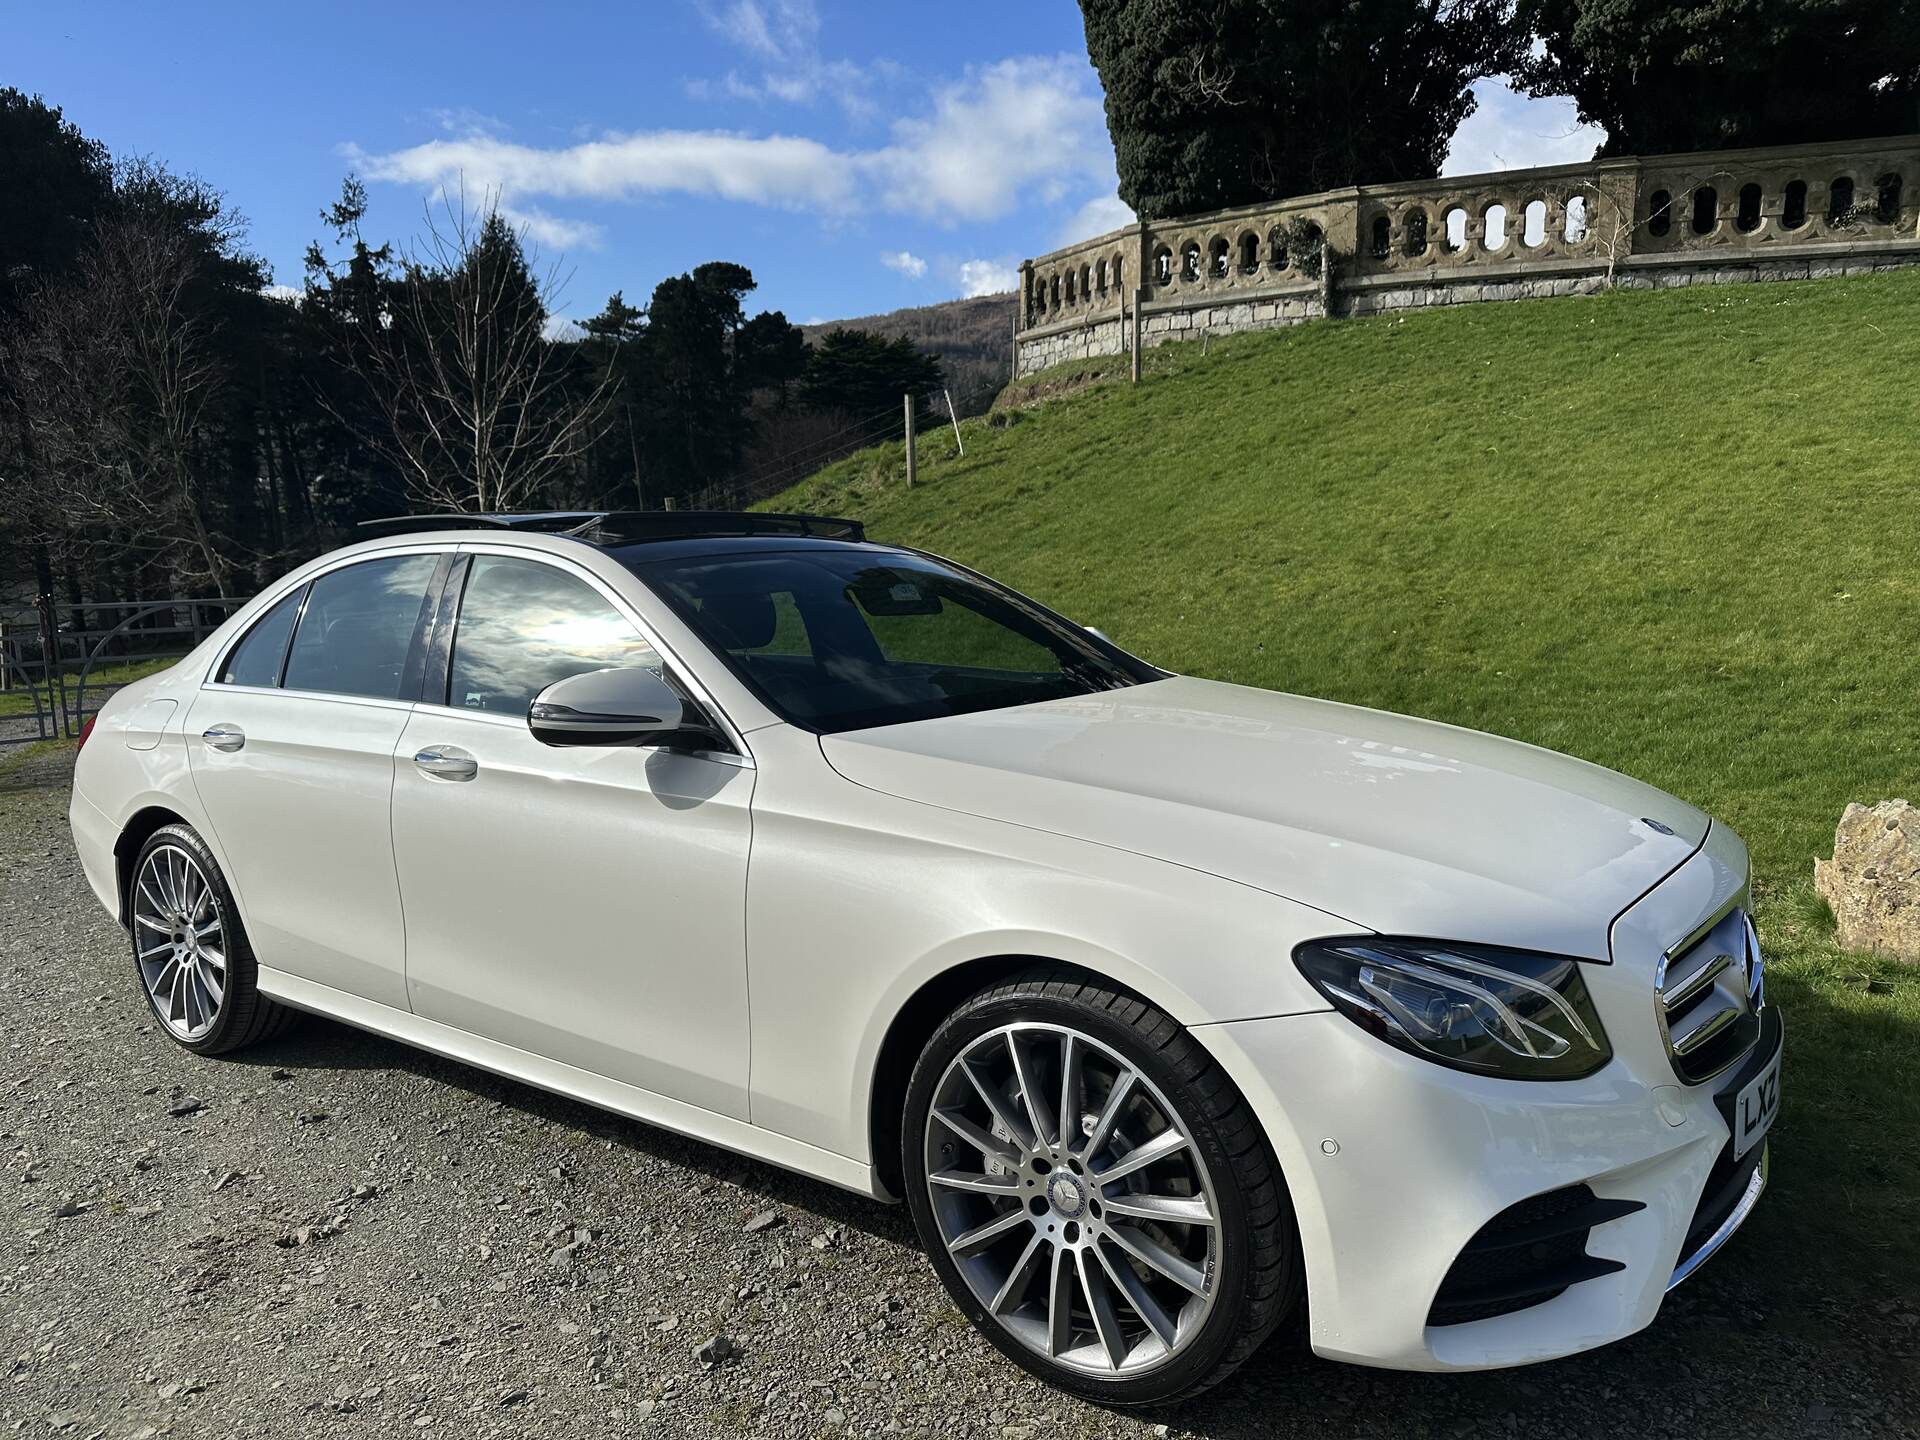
(1781, 213)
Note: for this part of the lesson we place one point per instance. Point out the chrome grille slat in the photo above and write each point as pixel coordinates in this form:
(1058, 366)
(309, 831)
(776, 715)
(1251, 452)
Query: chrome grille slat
(1708, 1015)
(1699, 1035)
(1678, 996)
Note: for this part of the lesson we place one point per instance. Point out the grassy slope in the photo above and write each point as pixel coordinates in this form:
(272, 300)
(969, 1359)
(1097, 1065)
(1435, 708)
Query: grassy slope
(1675, 533)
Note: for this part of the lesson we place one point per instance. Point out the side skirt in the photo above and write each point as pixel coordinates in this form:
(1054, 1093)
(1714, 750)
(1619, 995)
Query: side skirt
(629, 1100)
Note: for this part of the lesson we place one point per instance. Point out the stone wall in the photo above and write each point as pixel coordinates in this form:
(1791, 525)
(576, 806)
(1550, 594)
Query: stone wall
(1787, 213)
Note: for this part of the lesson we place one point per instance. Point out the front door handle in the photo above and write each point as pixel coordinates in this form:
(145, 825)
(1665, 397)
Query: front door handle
(224, 737)
(446, 763)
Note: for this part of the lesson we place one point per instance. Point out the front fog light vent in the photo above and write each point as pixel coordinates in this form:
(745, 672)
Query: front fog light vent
(1527, 1255)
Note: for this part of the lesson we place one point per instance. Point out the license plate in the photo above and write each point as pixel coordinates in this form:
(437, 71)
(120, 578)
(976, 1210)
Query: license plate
(1754, 1108)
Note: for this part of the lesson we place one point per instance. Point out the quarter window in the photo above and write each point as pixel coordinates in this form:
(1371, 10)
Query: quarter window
(256, 659)
(524, 625)
(358, 626)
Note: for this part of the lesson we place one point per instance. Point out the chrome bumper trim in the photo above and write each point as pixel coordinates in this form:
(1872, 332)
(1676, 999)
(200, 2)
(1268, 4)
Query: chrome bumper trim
(1732, 1223)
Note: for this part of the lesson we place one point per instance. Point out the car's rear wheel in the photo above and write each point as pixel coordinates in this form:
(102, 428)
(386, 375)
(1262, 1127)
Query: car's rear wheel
(1094, 1192)
(189, 951)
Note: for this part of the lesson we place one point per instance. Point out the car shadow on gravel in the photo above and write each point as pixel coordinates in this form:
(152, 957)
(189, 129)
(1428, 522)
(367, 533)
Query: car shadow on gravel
(320, 1044)
(1756, 1344)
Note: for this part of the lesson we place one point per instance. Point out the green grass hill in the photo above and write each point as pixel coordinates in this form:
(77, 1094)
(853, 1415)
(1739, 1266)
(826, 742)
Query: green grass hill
(1674, 532)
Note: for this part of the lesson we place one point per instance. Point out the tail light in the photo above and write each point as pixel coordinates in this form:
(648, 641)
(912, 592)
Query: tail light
(85, 731)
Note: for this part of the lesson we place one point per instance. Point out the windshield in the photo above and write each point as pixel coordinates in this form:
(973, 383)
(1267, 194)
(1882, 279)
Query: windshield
(847, 639)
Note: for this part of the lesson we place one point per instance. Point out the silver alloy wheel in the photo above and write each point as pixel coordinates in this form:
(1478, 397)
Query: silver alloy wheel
(1072, 1199)
(179, 941)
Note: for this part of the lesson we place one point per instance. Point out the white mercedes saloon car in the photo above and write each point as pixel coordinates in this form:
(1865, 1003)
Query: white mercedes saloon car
(1161, 1002)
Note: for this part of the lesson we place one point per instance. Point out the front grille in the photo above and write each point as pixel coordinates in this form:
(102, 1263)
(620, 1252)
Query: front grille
(1526, 1255)
(1709, 993)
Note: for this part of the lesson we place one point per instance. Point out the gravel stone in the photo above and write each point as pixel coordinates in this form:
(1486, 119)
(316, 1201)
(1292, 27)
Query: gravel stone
(166, 1306)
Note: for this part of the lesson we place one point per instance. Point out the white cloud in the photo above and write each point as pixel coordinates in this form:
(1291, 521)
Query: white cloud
(1097, 217)
(284, 292)
(465, 120)
(905, 261)
(775, 170)
(774, 30)
(553, 232)
(1020, 128)
(986, 277)
(1030, 124)
(1510, 131)
(784, 37)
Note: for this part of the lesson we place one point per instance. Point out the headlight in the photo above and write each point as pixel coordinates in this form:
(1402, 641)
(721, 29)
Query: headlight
(1474, 1007)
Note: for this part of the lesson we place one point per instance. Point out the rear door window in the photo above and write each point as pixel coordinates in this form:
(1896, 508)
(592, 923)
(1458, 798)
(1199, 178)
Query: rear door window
(358, 626)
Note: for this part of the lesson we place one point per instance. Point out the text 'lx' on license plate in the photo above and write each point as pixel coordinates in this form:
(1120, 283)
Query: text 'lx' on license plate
(1754, 1108)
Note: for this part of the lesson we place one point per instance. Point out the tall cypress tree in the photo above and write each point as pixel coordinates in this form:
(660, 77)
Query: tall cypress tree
(1213, 103)
(1663, 77)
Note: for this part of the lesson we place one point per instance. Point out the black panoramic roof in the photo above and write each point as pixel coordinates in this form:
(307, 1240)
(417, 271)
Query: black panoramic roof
(626, 527)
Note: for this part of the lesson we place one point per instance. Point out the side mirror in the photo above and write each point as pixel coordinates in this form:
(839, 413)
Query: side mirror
(609, 707)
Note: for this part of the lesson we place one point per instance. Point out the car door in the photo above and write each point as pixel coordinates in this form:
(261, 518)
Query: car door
(291, 744)
(586, 904)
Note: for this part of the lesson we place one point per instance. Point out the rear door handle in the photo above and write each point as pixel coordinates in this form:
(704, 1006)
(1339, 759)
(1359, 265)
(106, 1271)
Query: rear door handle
(224, 737)
(446, 763)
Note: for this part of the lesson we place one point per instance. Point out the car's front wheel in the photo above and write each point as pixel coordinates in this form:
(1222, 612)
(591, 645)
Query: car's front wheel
(1094, 1192)
(189, 950)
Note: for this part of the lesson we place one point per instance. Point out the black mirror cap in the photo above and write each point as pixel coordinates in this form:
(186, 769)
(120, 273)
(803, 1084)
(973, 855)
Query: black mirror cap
(610, 707)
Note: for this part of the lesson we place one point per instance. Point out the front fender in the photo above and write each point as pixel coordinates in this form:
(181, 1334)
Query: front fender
(857, 900)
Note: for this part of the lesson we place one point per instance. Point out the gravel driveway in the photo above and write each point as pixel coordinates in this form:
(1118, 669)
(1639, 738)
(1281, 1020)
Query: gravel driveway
(334, 1235)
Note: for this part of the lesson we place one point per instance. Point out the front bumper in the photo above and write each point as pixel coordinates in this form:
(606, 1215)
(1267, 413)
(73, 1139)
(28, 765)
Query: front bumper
(1395, 1164)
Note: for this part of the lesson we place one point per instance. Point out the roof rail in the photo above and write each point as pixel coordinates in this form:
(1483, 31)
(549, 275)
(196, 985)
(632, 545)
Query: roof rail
(619, 526)
(549, 521)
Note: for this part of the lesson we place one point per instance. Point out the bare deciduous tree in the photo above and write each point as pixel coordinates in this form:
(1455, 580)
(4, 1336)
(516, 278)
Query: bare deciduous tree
(114, 373)
(480, 410)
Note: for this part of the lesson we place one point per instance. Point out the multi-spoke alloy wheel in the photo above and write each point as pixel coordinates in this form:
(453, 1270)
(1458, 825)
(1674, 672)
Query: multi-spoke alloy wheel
(1072, 1199)
(179, 941)
(190, 949)
(1094, 1193)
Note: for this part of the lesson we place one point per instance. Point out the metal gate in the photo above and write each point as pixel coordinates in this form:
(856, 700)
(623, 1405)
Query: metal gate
(56, 675)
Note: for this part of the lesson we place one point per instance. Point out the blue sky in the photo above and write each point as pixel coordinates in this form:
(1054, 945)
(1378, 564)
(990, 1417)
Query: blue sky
(856, 157)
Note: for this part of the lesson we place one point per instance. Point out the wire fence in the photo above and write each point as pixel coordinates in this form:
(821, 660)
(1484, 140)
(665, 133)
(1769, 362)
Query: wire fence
(815, 455)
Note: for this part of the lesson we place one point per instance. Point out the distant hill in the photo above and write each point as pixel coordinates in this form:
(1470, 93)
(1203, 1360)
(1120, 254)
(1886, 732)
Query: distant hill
(973, 338)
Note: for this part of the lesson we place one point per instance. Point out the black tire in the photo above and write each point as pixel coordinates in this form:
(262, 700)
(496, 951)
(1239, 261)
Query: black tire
(244, 1016)
(1259, 1267)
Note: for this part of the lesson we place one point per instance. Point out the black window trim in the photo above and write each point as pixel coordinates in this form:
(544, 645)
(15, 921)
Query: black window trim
(224, 660)
(408, 681)
(438, 673)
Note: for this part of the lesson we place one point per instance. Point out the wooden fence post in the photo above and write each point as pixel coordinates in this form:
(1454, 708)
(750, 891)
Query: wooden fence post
(911, 472)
